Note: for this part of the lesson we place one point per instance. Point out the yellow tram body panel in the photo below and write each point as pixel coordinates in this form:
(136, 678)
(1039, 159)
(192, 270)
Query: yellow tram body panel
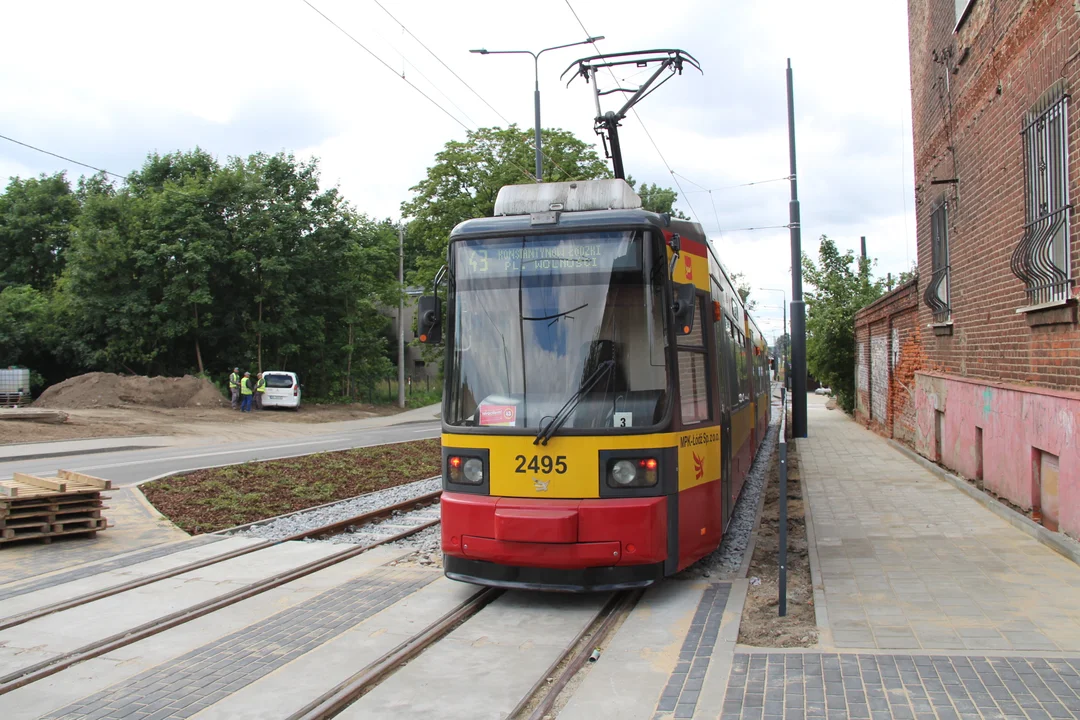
(576, 455)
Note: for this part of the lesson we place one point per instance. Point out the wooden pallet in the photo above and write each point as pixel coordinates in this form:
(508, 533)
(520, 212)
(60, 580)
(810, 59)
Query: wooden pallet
(38, 508)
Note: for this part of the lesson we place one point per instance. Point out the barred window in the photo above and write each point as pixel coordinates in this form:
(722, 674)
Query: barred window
(1041, 257)
(936, 295)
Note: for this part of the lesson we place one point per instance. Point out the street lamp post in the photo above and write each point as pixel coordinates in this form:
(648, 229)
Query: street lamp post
(787, 343)
(536, 92)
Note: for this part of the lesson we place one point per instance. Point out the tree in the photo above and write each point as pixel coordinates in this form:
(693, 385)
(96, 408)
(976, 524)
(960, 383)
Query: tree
(743, 288)
(841, 287)
(467, 176)
(36, 216)
(658, 199)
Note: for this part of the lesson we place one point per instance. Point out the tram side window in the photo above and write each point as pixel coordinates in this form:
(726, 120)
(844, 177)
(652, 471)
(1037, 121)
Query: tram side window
(742, 367)
(693, 377)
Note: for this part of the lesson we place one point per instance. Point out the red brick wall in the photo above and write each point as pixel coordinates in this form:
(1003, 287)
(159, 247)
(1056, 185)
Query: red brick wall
(970, 92)
(884, 333)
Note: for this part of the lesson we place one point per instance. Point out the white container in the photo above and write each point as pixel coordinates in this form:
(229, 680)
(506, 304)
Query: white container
(14, 386)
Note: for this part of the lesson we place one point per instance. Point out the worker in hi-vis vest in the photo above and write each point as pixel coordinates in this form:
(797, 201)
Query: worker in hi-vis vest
(260, 391)
(245, 393)
(234, 388)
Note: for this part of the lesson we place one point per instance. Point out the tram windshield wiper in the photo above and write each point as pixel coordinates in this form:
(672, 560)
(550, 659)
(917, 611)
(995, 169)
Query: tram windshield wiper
(567, 409)
(556, 316)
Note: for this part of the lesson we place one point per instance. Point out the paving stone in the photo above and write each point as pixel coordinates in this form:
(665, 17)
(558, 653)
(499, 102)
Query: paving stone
(160, 688)
(925, 697)
(897, 573)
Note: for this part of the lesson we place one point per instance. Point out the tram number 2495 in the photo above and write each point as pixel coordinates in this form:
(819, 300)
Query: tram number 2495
(541, 464)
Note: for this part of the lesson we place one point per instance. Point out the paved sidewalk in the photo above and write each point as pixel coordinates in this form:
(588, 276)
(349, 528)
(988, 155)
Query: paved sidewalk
(907, 561)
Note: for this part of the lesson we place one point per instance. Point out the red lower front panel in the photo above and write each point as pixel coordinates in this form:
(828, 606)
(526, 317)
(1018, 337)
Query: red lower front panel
(554, 533)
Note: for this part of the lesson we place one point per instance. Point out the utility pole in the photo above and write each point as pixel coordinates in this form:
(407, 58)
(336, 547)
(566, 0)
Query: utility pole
(401, 318)
(798, 307)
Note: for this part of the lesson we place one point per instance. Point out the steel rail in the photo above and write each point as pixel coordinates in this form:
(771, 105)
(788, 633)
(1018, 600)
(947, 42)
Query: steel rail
(345, 693)
(33, 673)
(361, 519)
(614, 610)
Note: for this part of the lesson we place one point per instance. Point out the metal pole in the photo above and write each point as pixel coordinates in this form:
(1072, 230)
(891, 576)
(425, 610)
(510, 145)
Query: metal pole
(401, 318)
(536, 103)
(782, 559)
(798, 307)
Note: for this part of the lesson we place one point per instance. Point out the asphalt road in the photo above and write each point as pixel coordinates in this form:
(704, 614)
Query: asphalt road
(131, 467)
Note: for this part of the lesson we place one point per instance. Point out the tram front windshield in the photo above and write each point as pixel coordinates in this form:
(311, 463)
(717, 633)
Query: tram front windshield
(545, 323)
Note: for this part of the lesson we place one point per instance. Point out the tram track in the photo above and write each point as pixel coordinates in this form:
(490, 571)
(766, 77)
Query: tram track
(318, 532)
(545, 693)
(540, 699)
(32, 673)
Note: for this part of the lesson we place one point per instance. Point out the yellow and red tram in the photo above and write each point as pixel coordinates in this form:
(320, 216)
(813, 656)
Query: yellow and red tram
(605, 392)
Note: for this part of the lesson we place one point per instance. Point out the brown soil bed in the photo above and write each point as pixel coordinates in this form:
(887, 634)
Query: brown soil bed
(98, 389)
(210, 500)
(761, 626)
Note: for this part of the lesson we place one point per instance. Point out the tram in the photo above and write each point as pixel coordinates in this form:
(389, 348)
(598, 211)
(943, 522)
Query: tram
(605, 391)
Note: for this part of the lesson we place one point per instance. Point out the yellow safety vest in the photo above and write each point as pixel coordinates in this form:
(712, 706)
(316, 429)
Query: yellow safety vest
(260, 385)
(234, 380)
(245, 386)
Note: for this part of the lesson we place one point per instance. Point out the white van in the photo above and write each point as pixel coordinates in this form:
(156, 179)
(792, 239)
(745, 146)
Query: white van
(282, 389)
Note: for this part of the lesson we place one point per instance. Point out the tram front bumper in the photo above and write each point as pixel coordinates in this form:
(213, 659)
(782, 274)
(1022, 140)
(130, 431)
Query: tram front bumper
(555, 534)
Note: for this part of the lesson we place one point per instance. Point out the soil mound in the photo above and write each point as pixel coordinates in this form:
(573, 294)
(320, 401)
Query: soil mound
(97, 390)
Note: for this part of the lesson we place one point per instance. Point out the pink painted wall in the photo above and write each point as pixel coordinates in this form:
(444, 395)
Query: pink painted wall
(1014, 419)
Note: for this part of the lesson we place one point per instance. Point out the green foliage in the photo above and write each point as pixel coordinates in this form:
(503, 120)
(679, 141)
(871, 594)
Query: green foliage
(198, 266)
(657, 199)
(35, 226)
(743, 288)
(841, 287)
(467, 176)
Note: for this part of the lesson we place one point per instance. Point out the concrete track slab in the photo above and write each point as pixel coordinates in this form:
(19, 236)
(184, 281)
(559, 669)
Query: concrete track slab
(291, 687)
(61, 591)
(629, 677)
(68, 687)
(484, 668)
(71, 629)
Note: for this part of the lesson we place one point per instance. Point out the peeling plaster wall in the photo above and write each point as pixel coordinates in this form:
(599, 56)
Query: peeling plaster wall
(1015, 421)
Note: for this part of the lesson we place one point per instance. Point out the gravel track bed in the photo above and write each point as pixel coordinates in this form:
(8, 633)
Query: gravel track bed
(309, 520)
(726, 560)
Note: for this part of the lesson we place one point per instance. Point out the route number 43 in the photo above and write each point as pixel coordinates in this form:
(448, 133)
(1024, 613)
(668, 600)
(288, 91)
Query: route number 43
(541, 464)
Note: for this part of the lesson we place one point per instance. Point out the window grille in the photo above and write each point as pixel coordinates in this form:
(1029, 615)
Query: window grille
(936, 295)
(1041, 258)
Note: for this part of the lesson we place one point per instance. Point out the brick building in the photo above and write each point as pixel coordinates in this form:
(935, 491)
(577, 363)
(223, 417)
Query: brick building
(887, 350)
(997, 391)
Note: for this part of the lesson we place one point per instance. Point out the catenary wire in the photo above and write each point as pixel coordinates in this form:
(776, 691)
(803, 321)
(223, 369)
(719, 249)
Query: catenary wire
(431, 52)
(410, 84)
(164, 188)
(65, 159)
(638, 117)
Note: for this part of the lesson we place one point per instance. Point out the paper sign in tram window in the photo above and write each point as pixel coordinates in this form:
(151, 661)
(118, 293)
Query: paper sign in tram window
(503, 415)
(623, 419)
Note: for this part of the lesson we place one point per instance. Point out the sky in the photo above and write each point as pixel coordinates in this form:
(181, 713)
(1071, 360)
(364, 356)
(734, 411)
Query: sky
(107, 83)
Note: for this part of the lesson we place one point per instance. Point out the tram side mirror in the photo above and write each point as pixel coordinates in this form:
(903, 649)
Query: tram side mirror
(429, 319)
(685, 296)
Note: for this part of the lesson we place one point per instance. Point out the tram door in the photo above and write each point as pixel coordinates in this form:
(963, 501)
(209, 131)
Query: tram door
(725, 364)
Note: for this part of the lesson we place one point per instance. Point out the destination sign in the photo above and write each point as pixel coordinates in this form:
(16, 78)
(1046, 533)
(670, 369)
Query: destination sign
(501, 259)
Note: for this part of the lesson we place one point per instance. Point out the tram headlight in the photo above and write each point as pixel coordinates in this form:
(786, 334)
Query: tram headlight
(465, 470)
(632, 472)
(474, 471)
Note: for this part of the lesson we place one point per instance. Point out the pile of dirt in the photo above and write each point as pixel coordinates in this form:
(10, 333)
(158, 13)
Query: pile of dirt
(98, 390)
